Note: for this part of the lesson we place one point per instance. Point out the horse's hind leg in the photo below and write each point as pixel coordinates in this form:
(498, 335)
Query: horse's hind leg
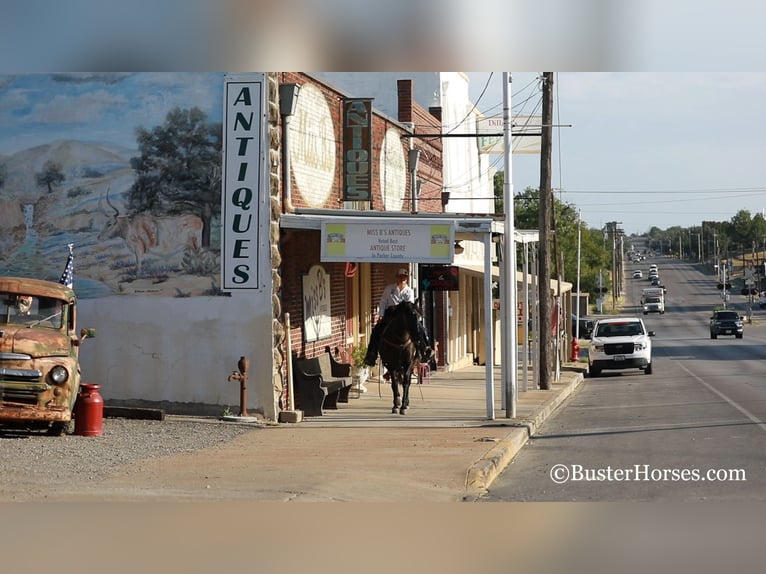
(397, 399)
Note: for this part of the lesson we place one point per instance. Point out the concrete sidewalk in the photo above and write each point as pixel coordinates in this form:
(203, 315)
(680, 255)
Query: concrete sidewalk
(445, 449)
(457, 399)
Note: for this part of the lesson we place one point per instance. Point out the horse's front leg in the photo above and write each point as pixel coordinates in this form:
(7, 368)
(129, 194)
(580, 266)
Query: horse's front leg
(405, 396)
(395, 389)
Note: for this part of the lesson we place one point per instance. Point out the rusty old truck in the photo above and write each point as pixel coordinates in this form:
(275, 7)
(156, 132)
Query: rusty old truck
(39, 355)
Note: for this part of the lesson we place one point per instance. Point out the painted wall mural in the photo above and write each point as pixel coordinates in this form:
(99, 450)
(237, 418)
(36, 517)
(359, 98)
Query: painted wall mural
(127, 167)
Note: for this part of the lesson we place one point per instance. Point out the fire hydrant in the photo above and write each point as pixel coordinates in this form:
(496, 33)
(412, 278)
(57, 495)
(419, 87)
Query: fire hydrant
(243, 365)
(575, 356)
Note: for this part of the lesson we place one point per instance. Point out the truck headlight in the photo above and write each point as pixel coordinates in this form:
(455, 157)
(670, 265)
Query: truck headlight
(59, 375)
(639, 346)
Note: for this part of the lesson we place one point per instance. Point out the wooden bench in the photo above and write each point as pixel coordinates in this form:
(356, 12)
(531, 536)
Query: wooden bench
(320, 383)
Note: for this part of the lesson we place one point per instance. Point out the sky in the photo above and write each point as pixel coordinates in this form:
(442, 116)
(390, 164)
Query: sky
(645, 149)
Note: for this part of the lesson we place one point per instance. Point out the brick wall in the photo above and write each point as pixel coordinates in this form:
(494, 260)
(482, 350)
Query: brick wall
(298, 250)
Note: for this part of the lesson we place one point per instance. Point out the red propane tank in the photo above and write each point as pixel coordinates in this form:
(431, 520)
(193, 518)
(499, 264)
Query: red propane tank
(89, 411)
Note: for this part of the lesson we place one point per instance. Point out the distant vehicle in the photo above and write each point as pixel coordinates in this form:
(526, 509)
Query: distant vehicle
(762, 300)
(586, 326)
(654, 304)
(620, 343)
(653, 300)
(655, 281)
(726, 322)
(637, 274)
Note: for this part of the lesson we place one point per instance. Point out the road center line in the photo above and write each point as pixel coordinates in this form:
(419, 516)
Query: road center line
(734, 404)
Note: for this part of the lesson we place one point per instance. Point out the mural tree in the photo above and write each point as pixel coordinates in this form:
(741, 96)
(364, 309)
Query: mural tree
(179, 168)
(51, 175)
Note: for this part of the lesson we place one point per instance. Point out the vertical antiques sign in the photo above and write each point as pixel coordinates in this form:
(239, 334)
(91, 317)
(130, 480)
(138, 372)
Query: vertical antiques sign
(357, 149)
(244, 201)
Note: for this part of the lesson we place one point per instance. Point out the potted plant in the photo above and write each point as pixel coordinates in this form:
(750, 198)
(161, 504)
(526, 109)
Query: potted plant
(359, 371)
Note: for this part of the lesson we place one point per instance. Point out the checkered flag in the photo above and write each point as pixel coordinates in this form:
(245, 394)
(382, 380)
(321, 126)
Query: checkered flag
(67, 277)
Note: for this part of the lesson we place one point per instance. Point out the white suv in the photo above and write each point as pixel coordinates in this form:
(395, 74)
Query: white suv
(620, 343)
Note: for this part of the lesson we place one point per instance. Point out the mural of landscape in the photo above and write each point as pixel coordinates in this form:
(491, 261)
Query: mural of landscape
(127, 167)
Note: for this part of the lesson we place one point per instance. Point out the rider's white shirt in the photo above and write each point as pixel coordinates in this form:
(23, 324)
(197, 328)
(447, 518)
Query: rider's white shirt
(392, 296)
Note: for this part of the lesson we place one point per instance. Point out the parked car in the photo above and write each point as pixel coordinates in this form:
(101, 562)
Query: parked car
(39, 348)
(586, 326)
(620, 343)
(726, 322)
(637, 274)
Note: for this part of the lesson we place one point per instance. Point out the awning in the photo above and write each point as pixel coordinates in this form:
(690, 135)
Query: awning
(479, 270)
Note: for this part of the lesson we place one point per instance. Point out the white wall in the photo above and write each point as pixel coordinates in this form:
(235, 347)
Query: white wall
(466, 174)
(154, 349)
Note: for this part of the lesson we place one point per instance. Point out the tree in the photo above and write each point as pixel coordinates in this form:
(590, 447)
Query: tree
(593, 257)
(742, 228)
(52, 174)
(178, 169)
(499, 184)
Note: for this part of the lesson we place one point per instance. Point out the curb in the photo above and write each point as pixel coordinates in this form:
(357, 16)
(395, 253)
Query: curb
(481, 473)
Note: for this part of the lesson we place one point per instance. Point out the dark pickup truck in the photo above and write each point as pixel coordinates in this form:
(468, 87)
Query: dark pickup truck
(586, 326)
(726, 322)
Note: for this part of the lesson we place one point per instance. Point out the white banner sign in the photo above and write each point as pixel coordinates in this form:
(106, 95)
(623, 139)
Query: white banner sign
(388, 241)
(525, 134)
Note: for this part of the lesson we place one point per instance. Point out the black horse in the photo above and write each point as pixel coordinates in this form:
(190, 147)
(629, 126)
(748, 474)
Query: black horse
(398, 352)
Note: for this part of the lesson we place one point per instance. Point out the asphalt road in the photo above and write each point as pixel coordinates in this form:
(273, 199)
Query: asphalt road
(693, 430)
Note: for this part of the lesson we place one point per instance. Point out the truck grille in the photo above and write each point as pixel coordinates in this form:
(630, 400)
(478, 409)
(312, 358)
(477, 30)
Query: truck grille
(618, 348)
(21, 385)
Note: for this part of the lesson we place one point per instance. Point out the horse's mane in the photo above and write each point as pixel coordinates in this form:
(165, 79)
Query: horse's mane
(401, 321)
(406, 306)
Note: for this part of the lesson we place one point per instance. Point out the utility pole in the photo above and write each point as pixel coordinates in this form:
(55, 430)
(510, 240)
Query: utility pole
(544, 283)
(509, 338)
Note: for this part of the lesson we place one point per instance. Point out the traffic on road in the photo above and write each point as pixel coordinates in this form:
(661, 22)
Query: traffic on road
(693, 430)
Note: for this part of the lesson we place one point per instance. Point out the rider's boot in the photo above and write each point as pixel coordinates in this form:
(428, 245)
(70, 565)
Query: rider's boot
(371, 357)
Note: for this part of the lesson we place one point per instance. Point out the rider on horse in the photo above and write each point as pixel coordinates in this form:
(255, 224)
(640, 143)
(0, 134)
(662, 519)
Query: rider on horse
(394, 294)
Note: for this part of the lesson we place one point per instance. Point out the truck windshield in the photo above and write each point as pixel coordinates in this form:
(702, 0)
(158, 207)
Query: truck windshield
(30, 310)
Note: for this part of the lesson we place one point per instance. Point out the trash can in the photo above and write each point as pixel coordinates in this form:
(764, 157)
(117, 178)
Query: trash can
(89, 411)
